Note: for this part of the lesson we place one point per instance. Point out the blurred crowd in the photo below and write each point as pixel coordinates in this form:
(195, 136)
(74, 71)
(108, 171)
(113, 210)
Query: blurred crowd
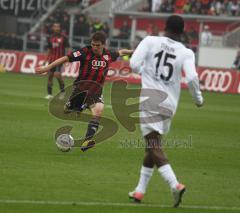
(82, 3)
(84, 25)
(10, 41)
(201, 7)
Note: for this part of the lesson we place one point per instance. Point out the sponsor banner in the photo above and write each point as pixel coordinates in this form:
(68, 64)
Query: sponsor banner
(29, 61)
(24, 7)
(10, 60)
(211, 79)
(219, 80)
(14, 61)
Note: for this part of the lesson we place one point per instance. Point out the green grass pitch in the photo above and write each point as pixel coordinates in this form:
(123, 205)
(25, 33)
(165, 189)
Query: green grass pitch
(36, 177)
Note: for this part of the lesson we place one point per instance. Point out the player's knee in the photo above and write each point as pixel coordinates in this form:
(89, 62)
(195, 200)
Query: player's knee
(98, 112)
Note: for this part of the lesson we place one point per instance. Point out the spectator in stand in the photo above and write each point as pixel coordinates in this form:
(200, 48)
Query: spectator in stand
(10, 41)
(205, 6)
(234, 8)
(6, 40)
(106, 29)
(85, 4)
(179, 5)
(65, 24)
(185, 39)
(192, 35)
(166, 6)
(82, 27)
(124, 32)
(206, 36)
(13, 42)
(97, 26)
(2, 40)
(149, 5)
(187, 7)
(152, 30)
(236, 63)
(201, 7)
(156, 5)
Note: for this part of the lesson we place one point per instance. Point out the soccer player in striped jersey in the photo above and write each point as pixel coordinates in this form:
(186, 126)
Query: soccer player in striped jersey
(161, 61)
(57, 46)
(87, 88)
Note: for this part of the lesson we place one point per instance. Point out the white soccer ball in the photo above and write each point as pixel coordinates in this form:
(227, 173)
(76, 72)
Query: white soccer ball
(65, 142)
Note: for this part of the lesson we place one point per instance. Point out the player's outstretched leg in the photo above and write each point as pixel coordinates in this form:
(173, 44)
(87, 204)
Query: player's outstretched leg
(93, 125)
(91, 130)
(164, 168)
(145, 176)
(49, 85)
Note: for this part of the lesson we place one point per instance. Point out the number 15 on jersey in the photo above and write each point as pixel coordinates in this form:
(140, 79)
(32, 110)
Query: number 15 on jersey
(161, 66)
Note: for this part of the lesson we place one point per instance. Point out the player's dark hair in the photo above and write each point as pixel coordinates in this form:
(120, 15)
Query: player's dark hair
(99, 36)
(174, 24)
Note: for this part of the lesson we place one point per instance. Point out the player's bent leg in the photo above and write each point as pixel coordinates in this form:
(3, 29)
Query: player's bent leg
(155, 147)
(177, 194)
(49, 85)
(145, 175)
(136, 196)
(97, 109)
(93, 125)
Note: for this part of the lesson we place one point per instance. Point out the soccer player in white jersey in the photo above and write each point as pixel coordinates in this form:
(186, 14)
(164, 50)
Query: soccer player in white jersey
(160, 60)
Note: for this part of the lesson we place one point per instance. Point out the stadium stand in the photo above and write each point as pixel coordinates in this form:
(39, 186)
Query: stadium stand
(202, 7)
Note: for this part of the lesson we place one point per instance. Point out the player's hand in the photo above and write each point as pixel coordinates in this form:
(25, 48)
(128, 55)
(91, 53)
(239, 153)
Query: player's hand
(41, 70)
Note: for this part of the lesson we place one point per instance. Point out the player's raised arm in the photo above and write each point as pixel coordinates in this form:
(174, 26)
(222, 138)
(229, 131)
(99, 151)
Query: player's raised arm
(56, 63)
(139, 55)
(192, 79)
(123, 52)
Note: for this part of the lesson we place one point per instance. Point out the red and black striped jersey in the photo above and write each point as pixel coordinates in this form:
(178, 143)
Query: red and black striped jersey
(93, 67)
(57, 44)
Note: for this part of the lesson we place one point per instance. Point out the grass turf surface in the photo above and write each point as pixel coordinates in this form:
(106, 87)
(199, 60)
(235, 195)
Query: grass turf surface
(32, 169)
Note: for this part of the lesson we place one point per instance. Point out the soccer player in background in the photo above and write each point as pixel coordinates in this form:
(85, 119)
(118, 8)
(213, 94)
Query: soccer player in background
(160, 61)
(57, 46)
(87, 88)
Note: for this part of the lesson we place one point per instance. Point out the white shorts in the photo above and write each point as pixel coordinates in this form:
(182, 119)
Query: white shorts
(159, 124)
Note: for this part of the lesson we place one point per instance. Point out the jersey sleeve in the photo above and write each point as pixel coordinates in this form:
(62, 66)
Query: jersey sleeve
(192, 77)
(139, 54)
(78, 55)
(189, 66)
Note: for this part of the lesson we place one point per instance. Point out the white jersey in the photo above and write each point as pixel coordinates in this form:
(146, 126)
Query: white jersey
(160, 60)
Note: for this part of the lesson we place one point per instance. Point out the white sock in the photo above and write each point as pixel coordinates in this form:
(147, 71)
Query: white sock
(145, 176)
(168, 175)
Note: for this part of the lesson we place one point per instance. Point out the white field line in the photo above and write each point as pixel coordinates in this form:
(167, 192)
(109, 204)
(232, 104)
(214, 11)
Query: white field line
(82, 203)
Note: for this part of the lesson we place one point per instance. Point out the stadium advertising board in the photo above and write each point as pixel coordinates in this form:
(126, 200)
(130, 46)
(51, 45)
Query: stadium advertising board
(212, 79)
(24, 7)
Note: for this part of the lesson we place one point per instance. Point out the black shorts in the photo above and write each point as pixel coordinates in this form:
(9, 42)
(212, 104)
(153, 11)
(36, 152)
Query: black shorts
(79, 101)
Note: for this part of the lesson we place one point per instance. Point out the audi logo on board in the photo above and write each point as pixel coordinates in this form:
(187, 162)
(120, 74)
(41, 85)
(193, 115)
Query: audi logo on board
(8, 60)
(218, 81)
(96, 63)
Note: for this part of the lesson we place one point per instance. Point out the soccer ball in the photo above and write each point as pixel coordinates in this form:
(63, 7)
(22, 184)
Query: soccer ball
(64, 142)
